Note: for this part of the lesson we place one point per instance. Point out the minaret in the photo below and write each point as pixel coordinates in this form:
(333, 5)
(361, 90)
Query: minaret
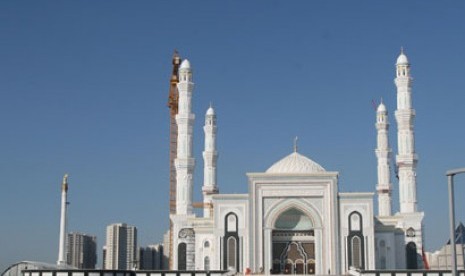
(64, 201)
(406, 158)
(210, 156)
(383, 154)
(184, 161)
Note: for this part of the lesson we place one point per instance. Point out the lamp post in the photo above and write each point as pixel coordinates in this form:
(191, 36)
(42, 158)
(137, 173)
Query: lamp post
(450, 177)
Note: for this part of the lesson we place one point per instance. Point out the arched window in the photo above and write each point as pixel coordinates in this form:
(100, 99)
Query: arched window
(355, 241)
(356, 252)
(231, 252)
(232, 223)
(182, 256)
(206, 263)
(382, 254)
(231, 242)
(206, 244)
(382, 244)
(355, 221)
(383, 262)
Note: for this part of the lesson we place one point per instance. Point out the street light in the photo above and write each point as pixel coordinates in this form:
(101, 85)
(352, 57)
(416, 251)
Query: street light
(450, 177)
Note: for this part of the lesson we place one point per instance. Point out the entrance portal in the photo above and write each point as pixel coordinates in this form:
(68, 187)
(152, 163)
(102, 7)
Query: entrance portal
(293, 244)
(293, 257)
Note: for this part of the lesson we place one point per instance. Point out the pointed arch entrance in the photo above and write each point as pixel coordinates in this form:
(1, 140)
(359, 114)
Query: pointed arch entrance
(293, 243)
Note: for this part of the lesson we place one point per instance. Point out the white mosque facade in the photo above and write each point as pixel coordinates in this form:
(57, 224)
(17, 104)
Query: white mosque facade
(294, 219)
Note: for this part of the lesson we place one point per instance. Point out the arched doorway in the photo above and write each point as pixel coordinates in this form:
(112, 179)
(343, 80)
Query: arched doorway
(293, 243)
(182, 263)
(411, 252)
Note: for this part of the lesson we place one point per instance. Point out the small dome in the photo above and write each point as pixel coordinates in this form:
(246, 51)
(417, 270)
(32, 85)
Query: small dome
(295, 163)
(210, 111)
(381, 108)
(185, 64)
(402, 59)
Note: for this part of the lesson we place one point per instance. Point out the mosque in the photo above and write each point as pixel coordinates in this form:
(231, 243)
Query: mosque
(294, 220)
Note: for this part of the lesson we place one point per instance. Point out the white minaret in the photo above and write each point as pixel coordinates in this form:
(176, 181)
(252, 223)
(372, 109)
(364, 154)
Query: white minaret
(184, 162)
(64, 202)
(406, 158)
(383, 154)
(210, 156)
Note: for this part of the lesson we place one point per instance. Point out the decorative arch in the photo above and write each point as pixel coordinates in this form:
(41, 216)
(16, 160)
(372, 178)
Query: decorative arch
(355, 222)
(292, 224)
(356, 241)
(293, 219)
(284, 205)
(231, 241)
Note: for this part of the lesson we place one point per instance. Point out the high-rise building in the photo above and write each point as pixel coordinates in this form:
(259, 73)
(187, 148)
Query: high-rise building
(81, 250)
(151, 257)
(121, 247)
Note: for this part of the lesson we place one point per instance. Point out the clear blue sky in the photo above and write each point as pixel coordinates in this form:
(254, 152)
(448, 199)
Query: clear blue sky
(84, 87)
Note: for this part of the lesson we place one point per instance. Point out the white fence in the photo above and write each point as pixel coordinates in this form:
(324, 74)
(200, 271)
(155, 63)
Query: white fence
(54, 272)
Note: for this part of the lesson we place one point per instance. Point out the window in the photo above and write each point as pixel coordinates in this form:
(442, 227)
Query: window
(231, 242)
(355, 241)
(355, 222)
(206, 244)
(232, 222)
(206, 263)
(356, 252)
(231, 252)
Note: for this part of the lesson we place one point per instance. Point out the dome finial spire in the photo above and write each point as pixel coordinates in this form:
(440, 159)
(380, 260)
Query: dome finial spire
(402, 50)
(295, 143)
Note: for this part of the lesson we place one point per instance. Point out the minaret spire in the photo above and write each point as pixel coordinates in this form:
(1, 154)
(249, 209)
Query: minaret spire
(383, 155)
(184, 161)
(64, 201)
(406, 158)
(210, 156)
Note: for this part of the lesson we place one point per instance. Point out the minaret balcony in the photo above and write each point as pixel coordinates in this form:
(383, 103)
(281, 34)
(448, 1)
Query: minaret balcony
(407, 159)
(181, 163)
(209, 190)
(384, 189)
(184, 118)
(185, 86)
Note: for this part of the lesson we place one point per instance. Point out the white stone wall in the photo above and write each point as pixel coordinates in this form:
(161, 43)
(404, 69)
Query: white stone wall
(223, 205)
(363, 204)
(385, 250)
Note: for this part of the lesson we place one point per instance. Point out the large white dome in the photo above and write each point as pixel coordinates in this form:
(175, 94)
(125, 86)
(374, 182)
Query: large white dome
(295, 163)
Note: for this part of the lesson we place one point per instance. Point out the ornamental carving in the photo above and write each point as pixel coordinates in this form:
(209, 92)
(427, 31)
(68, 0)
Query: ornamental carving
(186, 233)
(410, 233)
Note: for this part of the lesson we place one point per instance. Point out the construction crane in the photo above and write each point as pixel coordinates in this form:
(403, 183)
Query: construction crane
(173, 106)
